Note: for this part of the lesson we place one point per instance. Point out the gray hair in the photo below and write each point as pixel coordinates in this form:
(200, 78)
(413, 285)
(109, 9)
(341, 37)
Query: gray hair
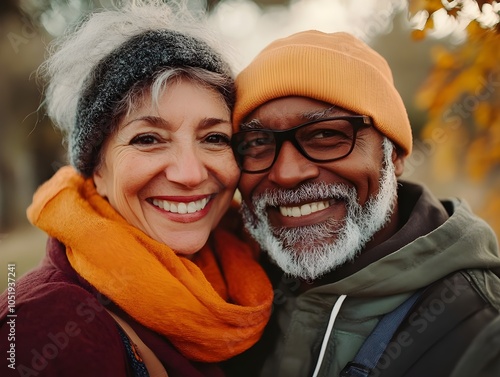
(74, 69)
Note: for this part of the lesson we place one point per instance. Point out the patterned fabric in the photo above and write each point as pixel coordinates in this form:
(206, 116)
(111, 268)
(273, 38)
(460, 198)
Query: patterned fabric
(138, 368)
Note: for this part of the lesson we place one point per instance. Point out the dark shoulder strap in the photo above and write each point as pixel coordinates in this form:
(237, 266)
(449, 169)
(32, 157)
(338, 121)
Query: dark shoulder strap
(154, 366)
(438, 330)
(370, 352)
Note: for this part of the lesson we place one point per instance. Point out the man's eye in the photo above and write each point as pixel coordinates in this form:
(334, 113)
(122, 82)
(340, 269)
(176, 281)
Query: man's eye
(319, 134)
(146, 139)
(257, 139)
(260, 141)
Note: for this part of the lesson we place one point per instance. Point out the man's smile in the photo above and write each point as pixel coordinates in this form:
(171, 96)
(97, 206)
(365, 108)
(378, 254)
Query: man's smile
(304, 214)
(304, 209)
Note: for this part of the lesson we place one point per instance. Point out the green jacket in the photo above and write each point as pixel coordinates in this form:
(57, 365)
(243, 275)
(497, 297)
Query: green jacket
(414, 258)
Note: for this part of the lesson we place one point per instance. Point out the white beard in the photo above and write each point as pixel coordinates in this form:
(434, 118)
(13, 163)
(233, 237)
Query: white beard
(311, 251)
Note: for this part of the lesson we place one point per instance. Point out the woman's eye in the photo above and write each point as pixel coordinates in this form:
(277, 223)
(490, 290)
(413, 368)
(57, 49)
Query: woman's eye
(220, 139)
(146, 139)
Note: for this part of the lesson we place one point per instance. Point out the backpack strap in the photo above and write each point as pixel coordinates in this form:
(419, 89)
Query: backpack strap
(374, 345)
(154, 366)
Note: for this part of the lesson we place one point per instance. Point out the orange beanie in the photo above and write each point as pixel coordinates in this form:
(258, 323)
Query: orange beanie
(335, 68)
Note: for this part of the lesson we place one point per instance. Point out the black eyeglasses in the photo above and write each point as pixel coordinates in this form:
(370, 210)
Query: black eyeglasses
(322, 140)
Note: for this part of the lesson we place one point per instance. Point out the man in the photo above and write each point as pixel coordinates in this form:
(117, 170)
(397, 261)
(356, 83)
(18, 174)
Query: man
(323, 139)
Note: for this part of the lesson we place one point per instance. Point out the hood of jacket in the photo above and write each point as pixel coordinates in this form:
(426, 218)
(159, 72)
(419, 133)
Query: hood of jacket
(464, 241)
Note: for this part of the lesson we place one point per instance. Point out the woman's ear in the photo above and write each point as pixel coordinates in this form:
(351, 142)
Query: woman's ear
(100, 182)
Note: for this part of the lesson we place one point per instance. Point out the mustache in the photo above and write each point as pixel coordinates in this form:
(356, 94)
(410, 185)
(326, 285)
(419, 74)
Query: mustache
(306, 192)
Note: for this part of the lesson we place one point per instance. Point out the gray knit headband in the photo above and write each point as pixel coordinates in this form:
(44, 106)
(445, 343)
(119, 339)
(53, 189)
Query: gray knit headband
(135, 61)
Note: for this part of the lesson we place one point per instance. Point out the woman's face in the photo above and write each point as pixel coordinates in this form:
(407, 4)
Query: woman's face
(169, 169)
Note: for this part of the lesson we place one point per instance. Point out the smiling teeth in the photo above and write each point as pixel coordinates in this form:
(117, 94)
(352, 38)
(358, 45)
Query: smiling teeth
(303, 210)
(180, 207)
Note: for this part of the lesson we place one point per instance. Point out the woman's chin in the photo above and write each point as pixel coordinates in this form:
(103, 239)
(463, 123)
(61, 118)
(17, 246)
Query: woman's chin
(186, 244)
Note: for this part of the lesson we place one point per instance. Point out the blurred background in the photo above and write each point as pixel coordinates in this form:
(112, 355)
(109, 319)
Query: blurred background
(444, 54)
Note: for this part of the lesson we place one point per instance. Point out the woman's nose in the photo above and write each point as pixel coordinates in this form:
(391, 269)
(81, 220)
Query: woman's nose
(187, 167)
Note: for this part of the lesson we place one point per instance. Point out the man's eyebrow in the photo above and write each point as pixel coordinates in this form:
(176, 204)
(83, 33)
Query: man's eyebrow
(251, 125)
(318, 114)
(310, 115)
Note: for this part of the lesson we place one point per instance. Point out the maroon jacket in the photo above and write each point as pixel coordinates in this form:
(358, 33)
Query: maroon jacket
(62, 329)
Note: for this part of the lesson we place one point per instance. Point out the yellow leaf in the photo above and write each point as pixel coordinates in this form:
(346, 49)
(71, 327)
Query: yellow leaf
(482, 115)
(414, 6)
(418, 35)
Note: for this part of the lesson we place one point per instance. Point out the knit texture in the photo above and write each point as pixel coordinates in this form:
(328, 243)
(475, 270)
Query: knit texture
(211, 308)
(135, 61)
(335, 68)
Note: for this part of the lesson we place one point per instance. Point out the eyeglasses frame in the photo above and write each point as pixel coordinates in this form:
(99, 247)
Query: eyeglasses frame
(280, 136)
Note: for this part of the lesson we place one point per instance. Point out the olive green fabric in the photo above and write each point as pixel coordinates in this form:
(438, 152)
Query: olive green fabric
(483, 356)
(463, 241)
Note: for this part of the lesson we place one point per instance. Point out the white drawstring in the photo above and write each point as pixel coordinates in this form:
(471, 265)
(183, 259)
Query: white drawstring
(329, 328)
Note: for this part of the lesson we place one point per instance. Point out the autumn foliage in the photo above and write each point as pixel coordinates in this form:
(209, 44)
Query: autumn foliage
(462, 98)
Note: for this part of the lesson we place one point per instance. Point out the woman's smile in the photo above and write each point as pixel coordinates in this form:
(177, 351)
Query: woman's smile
(183, 210)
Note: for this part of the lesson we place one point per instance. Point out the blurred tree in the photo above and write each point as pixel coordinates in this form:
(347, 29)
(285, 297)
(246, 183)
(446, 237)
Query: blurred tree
(462, 98)
(41, 8)
(28, 143)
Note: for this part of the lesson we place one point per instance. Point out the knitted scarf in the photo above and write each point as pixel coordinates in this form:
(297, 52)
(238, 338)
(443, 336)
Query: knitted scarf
(211, 308)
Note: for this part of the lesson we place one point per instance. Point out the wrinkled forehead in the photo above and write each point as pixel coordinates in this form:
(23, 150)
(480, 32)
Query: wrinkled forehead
(288, 112)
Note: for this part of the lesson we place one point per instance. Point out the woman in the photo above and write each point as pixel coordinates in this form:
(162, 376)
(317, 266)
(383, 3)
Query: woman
(134, 242)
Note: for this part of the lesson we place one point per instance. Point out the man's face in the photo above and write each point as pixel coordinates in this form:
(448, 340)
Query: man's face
(313, 217)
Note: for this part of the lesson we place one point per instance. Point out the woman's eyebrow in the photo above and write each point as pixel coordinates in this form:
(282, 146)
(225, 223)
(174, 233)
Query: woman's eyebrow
(157, 121)
(210, 122)
(153, 120)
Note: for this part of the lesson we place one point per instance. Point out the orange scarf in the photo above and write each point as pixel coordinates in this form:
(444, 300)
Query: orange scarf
(210, 311)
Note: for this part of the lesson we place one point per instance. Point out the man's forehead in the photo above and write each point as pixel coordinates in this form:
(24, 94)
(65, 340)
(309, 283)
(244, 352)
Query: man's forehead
(278, 113)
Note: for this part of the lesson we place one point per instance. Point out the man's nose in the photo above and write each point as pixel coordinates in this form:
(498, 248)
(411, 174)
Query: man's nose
(292, 168)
